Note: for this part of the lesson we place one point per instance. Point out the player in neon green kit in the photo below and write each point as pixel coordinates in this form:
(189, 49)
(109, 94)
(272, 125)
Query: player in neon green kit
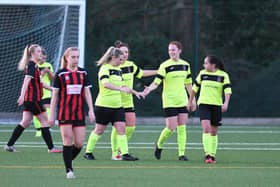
(175, 74)
(129, 72)
(47, 75)
(212, 82)
(108, 104)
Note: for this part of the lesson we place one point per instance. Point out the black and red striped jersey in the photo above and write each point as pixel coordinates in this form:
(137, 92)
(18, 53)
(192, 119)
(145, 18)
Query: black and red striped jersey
(71, 99)
(34, 91)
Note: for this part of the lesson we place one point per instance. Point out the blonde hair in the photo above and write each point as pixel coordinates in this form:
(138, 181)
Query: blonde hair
(107, 57)
(28, 50)
(66, 53)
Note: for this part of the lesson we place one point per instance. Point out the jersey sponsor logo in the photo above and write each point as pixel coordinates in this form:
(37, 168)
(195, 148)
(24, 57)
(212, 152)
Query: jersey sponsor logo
(215, 78)
(115, 72)
(179, 67)
(127, 69)
(179, 76)
(74, 89)
(211, 86)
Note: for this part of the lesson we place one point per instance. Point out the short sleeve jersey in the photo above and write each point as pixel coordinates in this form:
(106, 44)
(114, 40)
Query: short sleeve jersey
(107, 97)
(34, 90)
(129, 72)
(212, 85)
(71, 100)
(45, 78)
(175, 76)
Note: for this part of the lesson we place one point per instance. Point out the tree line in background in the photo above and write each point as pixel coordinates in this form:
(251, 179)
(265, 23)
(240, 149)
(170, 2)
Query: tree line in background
(243, 33)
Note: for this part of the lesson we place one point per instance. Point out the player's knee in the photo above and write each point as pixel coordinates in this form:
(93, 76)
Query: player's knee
(25, 124)
(45, 124)
(120, 129)
(98, 131)
(79, 144)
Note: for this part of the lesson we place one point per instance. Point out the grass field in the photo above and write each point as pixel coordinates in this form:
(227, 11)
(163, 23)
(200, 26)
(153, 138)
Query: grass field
(247, 156)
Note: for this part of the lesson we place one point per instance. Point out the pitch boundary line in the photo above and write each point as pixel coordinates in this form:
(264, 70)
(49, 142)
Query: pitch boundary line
(152, 143)
(158, 131)
(141, 167)
(173, 148)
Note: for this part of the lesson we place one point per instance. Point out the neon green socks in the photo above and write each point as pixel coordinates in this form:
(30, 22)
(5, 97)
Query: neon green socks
(129, 130)
(181, 139)
(122, 142)
(92, 140)
(165, 134)
(206, 143)
(114, 142)
(213, 144)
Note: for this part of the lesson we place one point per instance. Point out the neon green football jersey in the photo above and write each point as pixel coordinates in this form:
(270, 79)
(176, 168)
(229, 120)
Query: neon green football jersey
(107, 97)
(175, 76)
(212, 85)
(129, 71)
(45, 79)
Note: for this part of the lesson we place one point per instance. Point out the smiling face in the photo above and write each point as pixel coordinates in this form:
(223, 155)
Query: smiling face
(174, 52)
(116, 61)
(208, 66)
(125, 51)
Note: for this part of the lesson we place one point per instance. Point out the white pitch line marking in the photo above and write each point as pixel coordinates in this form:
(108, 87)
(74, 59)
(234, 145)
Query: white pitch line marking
(158, 131)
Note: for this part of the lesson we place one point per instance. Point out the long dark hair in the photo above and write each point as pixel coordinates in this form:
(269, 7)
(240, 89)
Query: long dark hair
(215, 60)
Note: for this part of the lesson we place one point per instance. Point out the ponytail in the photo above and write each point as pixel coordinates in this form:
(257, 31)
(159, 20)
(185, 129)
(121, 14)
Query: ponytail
(215, 60)
(28, 50)
(107, 57)
(63, 63)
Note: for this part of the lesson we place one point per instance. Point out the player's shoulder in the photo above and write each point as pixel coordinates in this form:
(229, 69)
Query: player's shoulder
(47, 64)
(31, 64)
(166, 63)
(222, 73)
(128, 63)
(203, 71)
(82, 70)
(61, 71)
(104, 67)
(184, 62)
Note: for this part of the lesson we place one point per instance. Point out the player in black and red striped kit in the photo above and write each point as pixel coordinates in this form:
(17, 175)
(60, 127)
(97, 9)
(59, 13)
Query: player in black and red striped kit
(71, 95)
(71, 92)
(30, 97)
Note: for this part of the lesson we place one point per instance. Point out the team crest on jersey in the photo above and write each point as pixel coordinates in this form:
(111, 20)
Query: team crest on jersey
(81, 76)
(67, 77)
